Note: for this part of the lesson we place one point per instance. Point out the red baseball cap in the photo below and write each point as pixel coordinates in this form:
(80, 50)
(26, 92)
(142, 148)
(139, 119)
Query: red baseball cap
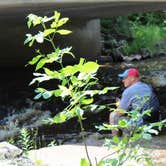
(129, 72)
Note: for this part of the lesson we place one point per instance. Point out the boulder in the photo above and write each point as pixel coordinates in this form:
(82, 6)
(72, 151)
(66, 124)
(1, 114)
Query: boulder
(10, 155)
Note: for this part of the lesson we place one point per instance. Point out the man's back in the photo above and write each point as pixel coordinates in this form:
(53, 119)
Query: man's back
(139, 97)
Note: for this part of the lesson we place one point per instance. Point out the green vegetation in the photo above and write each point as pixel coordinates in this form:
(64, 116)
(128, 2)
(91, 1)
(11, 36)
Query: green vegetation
(152, 38)
(75, 84)
(25, 141)
(136, 33)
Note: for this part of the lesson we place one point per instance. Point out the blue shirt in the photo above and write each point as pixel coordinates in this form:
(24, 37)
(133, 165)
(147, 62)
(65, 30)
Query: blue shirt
(139, 97)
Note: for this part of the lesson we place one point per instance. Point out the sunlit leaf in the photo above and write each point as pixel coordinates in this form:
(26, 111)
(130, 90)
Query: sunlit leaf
(60, 118)
(48, 32)
(89, 67)
(62, 21)
(84, 162)
(135, 137)
(148, 162)
(87, 101)
(122, 123)
(106, 89)
(56, 16)
(116, 139)
(48, 72)
(57, 92)
(35, 59)
(64, 32)
(65, 91)
(40, 90)
(41, 63)
(114, 162)
(101, 163)
(69, 70)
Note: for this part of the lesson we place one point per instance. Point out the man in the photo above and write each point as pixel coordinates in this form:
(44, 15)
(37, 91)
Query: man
(137, 96)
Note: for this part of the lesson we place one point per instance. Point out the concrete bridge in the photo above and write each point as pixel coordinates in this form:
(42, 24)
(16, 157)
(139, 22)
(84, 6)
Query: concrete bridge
(84, 22)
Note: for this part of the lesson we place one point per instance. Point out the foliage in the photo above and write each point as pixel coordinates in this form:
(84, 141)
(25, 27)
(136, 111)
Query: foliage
(75, 83)
(135, 33)
(152, 38)
(127, 148)
(25, 141)
(149, 18)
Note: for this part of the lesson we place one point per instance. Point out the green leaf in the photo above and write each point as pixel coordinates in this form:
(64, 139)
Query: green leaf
(79, 112)
(62, 21)
(54, 24)
(148, 162)
(48, 32)
(57, 92)
(64, 82)
(124, 140)
(47, 94)
(31, 42)
(35, 59)
(38, 96)
(87, 101)
(64, 32)
(106, 89)
(84, 162)
(56, 16)
(60, 118)
(89, 67)
(29, 23)
(65, 91)
(114, 162)
(36, 20)
(135, 137)
(69, 70)
(122, 123)
(40, 90)
(81, 62)
(116, 139)
(101, 163)
(41, 63)
(48, 72)
(74, 80)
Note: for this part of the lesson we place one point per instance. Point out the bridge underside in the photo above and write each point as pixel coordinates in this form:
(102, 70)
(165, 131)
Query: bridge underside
(84, 23)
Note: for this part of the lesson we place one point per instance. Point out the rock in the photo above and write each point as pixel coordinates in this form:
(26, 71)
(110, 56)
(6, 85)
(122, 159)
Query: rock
(136, 57)
(9, 151)
(158, 78)
(10, 155)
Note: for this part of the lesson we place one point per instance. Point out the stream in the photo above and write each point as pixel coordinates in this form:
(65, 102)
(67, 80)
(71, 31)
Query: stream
(18, 109)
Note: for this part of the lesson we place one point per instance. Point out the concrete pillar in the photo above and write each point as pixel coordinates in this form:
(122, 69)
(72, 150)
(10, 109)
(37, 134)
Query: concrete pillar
(86, 39)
